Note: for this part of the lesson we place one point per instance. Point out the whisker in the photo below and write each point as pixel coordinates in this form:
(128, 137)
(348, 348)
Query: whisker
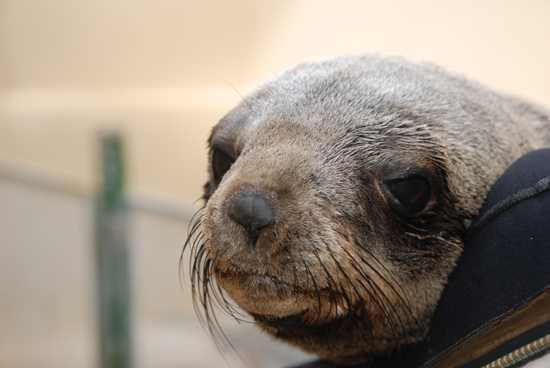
(315, 286)
(392, 285)
(206, 294)
(330, 282)
(379, 296)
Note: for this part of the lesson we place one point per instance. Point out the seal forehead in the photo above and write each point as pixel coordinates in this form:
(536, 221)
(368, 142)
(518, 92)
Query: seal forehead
(350, 90)
(332, 96)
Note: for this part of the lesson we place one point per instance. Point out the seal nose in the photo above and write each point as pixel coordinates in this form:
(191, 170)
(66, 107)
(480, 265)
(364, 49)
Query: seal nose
(253, 212)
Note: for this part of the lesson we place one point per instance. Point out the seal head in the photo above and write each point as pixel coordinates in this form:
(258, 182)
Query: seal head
(337, 198)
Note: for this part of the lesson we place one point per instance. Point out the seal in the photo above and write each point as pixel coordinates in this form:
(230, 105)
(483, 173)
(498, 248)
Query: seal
(338, 198)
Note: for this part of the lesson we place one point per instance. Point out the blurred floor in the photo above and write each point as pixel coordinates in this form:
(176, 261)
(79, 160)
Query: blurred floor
(46, 291)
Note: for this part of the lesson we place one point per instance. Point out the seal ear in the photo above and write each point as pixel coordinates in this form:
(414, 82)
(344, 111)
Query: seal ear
(409, 196)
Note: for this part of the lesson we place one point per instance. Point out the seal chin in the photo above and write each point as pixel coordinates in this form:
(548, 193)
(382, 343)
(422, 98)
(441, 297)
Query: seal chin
(278, 304)
(263, 295)
(288, 322)
(300, 322)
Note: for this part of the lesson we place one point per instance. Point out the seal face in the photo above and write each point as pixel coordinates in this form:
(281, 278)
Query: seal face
(336, 200)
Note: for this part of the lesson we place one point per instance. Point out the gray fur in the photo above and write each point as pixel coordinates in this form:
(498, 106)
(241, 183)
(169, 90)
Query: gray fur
(318, 141)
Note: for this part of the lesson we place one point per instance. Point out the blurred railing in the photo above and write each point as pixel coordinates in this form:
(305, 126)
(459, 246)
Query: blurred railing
(112, 205)
(135, 202)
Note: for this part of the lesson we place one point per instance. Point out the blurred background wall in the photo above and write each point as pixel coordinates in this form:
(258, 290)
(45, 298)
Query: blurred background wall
(163, 72)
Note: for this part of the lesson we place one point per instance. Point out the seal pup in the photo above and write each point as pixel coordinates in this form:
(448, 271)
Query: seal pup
(338, 198)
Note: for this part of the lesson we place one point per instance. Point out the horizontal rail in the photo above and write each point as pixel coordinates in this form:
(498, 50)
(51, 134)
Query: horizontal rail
(136, 202)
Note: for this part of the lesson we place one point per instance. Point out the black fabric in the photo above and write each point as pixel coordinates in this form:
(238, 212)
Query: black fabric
(506, 262)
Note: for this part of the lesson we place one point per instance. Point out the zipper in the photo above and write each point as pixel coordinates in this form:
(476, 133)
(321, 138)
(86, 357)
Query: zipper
(523, 353)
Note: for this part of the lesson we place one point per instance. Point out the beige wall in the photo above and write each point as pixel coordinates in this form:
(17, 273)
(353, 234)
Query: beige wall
(165, 71)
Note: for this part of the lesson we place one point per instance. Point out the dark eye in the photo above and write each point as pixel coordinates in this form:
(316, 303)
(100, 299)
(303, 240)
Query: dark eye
(221, 162)
(409, 196)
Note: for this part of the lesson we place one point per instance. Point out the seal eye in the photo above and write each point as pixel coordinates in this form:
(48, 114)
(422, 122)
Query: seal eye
(409, 196)
(221, 163)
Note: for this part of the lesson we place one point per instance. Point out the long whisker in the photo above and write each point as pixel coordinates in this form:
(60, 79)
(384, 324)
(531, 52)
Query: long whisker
(385, 305)
(316, 288)
(331, 285)
(206, 294)
(393, 284)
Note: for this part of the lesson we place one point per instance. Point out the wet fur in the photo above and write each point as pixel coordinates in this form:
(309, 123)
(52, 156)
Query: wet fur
(355, 278)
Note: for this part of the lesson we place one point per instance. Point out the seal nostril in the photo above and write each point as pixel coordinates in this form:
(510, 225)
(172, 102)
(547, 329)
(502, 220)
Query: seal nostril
(253, 212)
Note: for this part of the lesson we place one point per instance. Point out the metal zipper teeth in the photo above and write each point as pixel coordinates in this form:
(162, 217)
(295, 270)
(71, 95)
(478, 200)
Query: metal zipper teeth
(523, 353)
